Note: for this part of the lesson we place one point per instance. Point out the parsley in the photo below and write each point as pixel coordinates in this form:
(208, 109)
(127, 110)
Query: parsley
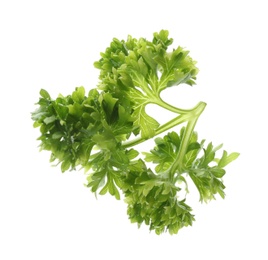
(98, 131)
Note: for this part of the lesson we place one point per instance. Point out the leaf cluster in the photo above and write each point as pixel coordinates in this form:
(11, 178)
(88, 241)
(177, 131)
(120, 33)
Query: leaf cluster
(71, 126)
(139, 70)
(200, 163)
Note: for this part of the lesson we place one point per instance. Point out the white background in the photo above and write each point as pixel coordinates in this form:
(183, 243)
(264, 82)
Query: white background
(45, 214)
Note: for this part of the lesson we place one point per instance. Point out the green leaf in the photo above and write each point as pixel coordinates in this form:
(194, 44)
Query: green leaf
(57, 135)
(79, 94)
(164, 152)
(226, 159)
(61, 110)
(50, 119)
(113, 190)
(206, 175)
(217, 172)
(108, 103)
(39, 114)
(44, 94)
(104, 141)
(76, 110)
(36, 124)
(105, 180)
(147, 124)
(65, 165)
(96, 180)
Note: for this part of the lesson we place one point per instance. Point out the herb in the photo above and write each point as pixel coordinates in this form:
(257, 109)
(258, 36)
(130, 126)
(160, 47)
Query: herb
(98, 131)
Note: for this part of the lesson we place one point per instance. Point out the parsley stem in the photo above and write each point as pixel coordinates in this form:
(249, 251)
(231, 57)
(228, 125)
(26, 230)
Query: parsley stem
(171, 108)
(177, 165)
(173, 122)
(189, 116)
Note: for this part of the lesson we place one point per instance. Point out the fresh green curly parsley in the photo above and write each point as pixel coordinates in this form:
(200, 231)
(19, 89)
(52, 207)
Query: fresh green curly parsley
(98, 131)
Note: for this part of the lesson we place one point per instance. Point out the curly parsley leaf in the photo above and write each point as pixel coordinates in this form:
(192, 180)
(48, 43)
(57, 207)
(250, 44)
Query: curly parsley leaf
(153, 200)
(138, 70)
(200, 163)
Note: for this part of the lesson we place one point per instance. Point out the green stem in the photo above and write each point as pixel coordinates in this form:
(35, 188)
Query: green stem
(174, 122)
(178, 163)
(134, 142)
(193, 113)
(171, 108)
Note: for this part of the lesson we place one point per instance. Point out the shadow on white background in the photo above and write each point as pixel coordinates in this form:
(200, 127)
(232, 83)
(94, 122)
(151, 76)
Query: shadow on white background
(52, 44)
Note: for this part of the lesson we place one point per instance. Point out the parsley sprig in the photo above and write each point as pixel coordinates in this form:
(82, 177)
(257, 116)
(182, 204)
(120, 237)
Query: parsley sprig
(98, 131)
